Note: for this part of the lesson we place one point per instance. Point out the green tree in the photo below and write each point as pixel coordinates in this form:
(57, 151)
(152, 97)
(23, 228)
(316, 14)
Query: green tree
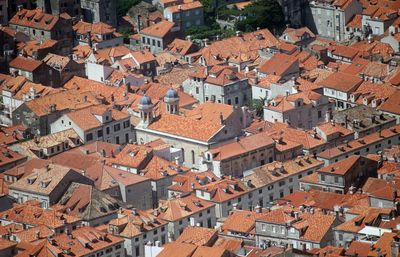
(257, 105)
(123, 6)
(262, 14)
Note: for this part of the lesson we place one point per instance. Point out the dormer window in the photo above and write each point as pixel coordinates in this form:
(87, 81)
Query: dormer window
(45, 183)
(31, 180)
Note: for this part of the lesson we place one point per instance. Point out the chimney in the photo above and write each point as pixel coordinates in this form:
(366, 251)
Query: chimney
(221, 118)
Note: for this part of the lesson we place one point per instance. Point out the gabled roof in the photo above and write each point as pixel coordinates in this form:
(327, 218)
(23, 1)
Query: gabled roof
(175, 209)
(32, 214)
(87, 118)
(35, 19)
(342, 82)
(43, 180)
(64, 100)
(201, 123)
(159, 30)
(132, 223)
(198, 236)
(279, 64)
(88, 203)
(241, 146)
(25, 64)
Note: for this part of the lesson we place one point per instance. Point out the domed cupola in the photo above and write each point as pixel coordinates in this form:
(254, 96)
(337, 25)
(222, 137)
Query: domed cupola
(171, 100)
(146, 110)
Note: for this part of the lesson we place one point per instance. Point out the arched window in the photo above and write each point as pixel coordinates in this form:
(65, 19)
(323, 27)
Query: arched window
(193, 159)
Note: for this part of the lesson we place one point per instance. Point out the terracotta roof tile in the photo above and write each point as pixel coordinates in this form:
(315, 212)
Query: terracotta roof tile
(159, 30)
(198, 236)
(175, 209)
(35, 19)
(25, 64)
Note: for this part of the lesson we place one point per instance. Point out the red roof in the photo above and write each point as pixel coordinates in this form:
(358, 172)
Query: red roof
(25, 64)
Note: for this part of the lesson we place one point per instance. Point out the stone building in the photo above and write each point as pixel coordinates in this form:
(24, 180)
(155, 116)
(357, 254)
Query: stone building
(329, 19)
(99, 11)
(220, 84)
(56, 7)
(41, 26)
(195, 131)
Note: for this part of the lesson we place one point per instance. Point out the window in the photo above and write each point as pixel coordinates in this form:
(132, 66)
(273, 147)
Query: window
(117, 127)
(100, 133)
(281, 183)
(263, 227)
(89, 137)
(117, 140)
(322, 177)
(126, 124)
(193, 157)
(137, 250)
(158, 44)
(336, 179)
(319, 114)
(108, 130)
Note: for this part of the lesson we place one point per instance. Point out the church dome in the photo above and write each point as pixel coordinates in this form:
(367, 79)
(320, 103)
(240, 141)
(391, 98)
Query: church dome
(145, 100)
(171, 93)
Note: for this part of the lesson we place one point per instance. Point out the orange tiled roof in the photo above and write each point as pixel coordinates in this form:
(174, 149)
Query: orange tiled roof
(225, 189)
(198, 236)
(341, 167)
(278, 64)
(297, 34)
(241, 146)
(392, 104)
(159, 168)
(185, 6)
(134, 156)
(132, 223)
(175, 209)
(238, 49)
(355, 22)
(342, 82)
(353, 145)
(26, 64)
(35, 19)
(159, 30)
(241, 221)
(180, 46)
(70, 99)
(32, 214)
(86, 118)
(276, 171)
(191, 180)
(201, 123)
